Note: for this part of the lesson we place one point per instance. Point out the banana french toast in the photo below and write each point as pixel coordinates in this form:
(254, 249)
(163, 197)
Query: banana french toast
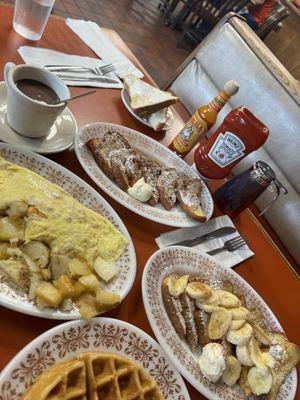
(234, 343)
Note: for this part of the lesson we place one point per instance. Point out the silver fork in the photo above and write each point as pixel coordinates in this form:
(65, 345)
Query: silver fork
(103, 70)
(229, 245)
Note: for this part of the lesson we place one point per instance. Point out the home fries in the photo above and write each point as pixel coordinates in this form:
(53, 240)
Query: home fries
(53, 247)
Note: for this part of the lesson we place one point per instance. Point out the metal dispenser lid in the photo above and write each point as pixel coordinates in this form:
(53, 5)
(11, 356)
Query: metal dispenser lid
(264, 171)
(264, 175)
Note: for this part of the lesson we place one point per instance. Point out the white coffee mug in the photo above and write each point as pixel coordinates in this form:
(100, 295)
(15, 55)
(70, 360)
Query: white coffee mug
(26, 116)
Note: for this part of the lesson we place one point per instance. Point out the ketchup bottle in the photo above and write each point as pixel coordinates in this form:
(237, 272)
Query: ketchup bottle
(240, 133)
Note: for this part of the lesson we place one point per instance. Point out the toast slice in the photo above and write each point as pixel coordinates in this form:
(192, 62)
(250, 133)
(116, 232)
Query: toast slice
(159, 119)
(188, 309)
(202, 320)
(286, 356)
(188, 195)
(117, 162)
(133, 166)
(173, 308)
(102, 146)
(243, 382)
(166, 184)
(144, 98)
(150, 171)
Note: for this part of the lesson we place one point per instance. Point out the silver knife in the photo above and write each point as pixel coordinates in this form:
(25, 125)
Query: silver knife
(106, 80)
(228, 230)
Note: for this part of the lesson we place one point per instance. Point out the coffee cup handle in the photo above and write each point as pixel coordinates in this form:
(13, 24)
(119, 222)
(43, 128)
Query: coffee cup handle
(8, 66)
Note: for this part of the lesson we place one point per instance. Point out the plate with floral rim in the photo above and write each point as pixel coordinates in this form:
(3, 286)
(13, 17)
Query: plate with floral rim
(151, 149)
(16, 299)
(100, 334)
(183, 260)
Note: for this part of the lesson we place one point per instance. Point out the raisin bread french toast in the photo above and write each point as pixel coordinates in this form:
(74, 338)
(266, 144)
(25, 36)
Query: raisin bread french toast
(166, 185)
(188, 195)
(102, 146)
(121, 163)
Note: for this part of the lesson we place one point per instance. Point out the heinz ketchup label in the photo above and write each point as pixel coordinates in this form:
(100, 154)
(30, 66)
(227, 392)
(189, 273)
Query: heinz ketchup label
(226, 149)
(240, 133)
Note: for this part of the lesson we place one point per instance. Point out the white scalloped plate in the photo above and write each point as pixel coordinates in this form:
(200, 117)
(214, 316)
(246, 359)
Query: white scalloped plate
(11, 297)
(183, 260)
(101, 334)
(151, 149)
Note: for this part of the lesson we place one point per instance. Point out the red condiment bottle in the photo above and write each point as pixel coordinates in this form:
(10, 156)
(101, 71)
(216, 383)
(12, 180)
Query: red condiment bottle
(240, 133)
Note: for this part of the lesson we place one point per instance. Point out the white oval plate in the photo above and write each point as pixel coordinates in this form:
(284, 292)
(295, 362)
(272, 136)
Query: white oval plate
(144, 120)
(101, 334)
(11, 297)
(182, 260)
(59, 138)
(152, 149)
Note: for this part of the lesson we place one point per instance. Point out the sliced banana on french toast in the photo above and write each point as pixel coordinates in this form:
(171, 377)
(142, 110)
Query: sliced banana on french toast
(199, 291)
(260, 380)
(232, 337)
(243, 354)
(240, 336)
(227, 299)
(232, 371)
(219, 323)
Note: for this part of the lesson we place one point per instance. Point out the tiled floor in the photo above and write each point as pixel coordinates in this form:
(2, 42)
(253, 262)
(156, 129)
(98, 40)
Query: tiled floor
(140, 24)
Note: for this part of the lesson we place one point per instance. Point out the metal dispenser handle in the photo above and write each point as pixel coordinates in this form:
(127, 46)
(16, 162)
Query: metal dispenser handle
(277, 186)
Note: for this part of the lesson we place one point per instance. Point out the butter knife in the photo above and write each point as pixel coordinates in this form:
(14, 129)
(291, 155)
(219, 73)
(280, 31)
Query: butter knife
(73, 78)
(228, 230)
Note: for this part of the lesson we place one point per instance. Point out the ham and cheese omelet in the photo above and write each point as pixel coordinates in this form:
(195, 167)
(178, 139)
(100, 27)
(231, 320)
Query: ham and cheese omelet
(53, 247)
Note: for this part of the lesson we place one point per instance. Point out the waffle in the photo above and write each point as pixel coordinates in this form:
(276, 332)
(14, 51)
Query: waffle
(94, 376)
(62, 381)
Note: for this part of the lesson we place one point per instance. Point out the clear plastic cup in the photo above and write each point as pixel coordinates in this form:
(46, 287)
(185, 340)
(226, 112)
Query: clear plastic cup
(31, 16)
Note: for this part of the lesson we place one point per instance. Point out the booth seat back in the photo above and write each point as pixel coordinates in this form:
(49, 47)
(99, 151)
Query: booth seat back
(233, 51)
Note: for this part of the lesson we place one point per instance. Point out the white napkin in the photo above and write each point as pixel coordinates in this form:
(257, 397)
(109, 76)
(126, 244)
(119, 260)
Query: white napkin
(226, 258)
(40, 57)
(93, 36)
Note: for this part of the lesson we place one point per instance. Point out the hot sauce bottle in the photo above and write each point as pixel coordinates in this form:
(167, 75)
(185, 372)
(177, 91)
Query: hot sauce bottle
(202, 121)
(240, 133)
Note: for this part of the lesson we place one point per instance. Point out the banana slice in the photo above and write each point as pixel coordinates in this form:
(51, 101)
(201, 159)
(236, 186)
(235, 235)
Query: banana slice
(177, 285)
(198, 290)
(208, 308)
(243, 354)
(240, 336)
(228, 299)
(213, 300)
(239, 313)
(256, 353)
(261, 335)
(236, 324)
(219, 323)
(268, 359)
(260, 380)
(232, 371)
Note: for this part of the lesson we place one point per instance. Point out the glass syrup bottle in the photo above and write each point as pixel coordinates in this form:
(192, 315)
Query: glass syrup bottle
(202, 121)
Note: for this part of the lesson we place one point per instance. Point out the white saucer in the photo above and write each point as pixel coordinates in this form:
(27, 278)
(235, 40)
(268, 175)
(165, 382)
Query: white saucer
(59, 138)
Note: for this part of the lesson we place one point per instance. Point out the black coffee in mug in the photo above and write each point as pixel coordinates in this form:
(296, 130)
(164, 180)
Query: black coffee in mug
(37, 91)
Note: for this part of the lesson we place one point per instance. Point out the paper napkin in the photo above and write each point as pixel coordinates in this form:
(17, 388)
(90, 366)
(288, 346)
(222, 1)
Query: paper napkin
(41, 56)
(226, 258)
(93, 36)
